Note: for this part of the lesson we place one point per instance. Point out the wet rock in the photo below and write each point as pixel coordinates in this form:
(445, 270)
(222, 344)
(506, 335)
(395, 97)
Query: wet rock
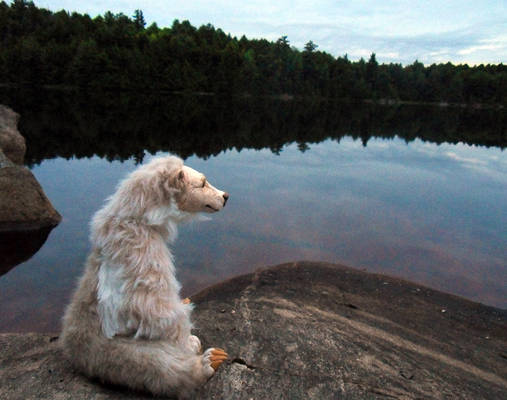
(294, 335)
(11, 142)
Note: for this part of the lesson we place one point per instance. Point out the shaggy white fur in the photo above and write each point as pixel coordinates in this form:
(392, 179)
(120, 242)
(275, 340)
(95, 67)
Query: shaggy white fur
(127, 323)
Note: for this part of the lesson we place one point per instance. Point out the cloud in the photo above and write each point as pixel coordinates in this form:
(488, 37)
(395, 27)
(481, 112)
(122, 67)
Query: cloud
(465, 160)
(484, 47)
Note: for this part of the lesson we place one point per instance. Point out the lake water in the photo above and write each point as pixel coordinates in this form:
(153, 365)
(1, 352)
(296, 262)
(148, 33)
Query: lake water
(415, 192)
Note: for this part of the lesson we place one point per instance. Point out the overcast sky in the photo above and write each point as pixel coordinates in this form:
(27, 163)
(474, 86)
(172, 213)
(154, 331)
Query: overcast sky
(460, 31)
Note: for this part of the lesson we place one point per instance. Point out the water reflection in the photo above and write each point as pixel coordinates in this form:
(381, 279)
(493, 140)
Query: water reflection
(430, 213)
(118, 126)
(18, 246)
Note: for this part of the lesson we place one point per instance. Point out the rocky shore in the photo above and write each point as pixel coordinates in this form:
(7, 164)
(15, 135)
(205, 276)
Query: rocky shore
(309, 331)
(23, 204)
(26, 214)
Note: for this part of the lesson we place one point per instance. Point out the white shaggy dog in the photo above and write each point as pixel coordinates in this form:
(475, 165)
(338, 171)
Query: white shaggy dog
(126, 323)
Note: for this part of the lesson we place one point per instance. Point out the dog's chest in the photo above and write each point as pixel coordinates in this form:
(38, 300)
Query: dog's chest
(111, 299)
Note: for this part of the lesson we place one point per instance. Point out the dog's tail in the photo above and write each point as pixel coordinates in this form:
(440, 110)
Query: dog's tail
(156, 366)
(152, 365)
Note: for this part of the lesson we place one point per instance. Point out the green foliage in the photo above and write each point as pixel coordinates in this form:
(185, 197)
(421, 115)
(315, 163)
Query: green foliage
(40, 47)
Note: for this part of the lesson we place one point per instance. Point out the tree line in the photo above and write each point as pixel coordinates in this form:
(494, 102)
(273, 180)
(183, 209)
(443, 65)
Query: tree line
(41, 47)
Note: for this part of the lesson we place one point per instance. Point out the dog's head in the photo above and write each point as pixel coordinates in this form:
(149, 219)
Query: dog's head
(166, 182)
(165, 188)
(157, 192)
(195, 194)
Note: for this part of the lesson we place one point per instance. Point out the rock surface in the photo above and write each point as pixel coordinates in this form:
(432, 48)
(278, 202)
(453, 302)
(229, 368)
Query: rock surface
(309, 331)
(11, 142)
(23, 204)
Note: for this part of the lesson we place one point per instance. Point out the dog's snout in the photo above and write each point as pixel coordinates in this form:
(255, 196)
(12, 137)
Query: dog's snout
(226, 197)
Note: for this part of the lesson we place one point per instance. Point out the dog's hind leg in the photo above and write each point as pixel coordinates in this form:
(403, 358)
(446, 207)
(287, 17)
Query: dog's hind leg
(155, 366)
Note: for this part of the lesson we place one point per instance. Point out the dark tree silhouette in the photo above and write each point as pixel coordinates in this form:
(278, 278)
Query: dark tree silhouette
(139, 20)
(83, 123)
(39, 47)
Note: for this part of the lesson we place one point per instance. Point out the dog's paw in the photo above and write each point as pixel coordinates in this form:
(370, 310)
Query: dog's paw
(194, 344)
(213, 358)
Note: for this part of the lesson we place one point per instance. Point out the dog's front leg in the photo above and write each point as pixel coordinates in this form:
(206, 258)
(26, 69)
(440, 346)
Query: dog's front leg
(158, 314)
(194, 343)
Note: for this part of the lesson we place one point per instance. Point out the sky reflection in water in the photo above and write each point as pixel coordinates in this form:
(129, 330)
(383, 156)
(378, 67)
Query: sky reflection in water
(431, 214)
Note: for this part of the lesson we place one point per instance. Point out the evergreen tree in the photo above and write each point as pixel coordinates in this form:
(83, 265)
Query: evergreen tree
(310, 47)
(371, 74)
(139, 21)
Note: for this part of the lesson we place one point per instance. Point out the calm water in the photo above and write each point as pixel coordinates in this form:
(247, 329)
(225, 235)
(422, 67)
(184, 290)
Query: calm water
(303, 186)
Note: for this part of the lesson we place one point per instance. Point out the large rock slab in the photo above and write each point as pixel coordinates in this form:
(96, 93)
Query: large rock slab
(309, 331)
(23, 204)
(11, 142)
(321, 331)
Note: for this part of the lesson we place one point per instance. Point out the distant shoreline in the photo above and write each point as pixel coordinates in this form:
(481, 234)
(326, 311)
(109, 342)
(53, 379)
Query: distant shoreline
(42, 47)
(281, 96)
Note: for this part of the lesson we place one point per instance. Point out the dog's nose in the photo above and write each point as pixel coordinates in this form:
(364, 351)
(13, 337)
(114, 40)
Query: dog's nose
(226, 197)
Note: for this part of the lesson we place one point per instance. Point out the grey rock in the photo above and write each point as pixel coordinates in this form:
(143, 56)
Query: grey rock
(23, 203)
(11, 142)
(309, 331)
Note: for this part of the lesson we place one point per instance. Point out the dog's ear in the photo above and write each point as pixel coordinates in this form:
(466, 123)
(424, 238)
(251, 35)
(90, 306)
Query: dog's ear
(172, 181)
(179, 179)
(181, 176)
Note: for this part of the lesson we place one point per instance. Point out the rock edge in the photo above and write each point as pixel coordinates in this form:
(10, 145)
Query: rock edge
(309, 330)
(23, 203)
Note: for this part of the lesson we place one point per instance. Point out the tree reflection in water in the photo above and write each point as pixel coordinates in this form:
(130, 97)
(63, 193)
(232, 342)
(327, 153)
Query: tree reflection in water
(121, 125)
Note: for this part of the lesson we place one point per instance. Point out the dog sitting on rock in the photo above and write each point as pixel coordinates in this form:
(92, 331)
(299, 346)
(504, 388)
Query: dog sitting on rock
(126, 323)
